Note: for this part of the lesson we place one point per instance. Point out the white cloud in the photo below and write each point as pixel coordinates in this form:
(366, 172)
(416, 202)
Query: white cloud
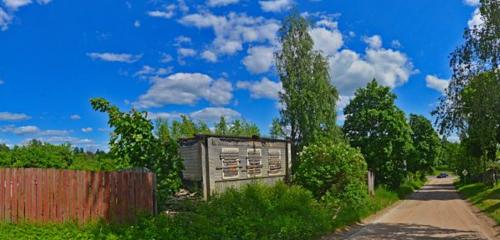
(233, 30)
(209, 56)
(264, 88)
(163, 115)
(168, 13)
(148, 71)
(350, 70)
(218, 3)
(374, 41)
(213, 114)
(137, 23)
(185, 88)
(75, 117)
(476, 20)
(436, 83)
(166, 58)
(114, 57)
(15, 4)
(275, 5)
(32, 130)
(87, 129)
(396, 44)
(7, 116)
(5, 19)
(328, 41)
(472, 2)
(186, 52)
(70, 140)
(23, 130)
(259, 59)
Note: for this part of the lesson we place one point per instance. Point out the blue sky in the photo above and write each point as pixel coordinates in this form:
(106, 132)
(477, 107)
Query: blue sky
(205, 58)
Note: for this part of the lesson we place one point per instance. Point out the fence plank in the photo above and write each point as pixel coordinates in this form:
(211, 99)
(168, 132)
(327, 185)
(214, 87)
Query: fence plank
(2, 192)
(52, 195)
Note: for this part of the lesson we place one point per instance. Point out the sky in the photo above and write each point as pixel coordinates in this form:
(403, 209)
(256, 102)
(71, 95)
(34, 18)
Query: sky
(207, 58)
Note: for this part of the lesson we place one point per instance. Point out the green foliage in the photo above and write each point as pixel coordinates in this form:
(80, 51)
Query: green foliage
(308, 96)
(37, 154)
(426, 145)
(479, 53)
(484, 197)
(254, 212)
(375, 125)
(334, 171)
(277, 130)
(134, 145)
(222, 128)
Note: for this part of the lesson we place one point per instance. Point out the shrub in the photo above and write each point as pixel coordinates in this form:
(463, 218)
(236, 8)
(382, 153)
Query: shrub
(334, 172)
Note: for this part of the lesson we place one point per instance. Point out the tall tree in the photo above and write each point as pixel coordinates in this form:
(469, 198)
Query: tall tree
(276, 130)
(479, 53)
(426, 144)
(375, 125)
(308, 97)
(221, 128)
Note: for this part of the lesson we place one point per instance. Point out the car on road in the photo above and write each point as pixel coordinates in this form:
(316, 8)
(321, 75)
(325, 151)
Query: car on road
(442, 175)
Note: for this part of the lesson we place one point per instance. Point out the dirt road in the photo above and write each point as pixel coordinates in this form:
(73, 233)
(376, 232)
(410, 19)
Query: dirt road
(434, 212)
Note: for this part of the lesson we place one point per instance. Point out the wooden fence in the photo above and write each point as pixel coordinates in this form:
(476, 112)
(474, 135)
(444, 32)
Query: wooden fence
(52, 195)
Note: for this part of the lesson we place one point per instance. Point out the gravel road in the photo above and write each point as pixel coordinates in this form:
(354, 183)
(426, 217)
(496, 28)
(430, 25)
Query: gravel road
(434, 212)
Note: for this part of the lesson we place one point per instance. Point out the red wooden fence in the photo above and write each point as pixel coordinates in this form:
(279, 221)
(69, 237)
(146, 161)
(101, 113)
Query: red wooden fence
(53, 195)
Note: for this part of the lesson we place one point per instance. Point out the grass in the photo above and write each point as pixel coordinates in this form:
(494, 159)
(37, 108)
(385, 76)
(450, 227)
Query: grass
(382, 199)
(254, 212)
(486, 198)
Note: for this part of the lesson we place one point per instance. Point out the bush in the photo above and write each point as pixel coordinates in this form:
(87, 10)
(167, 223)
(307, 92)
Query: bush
(334, 172)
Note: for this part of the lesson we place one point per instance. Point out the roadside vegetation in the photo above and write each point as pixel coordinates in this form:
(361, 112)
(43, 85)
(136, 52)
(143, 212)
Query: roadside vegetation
(486, 198)
(328, 188)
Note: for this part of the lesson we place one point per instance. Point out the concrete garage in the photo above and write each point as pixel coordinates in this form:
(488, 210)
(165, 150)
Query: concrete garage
(214, 163)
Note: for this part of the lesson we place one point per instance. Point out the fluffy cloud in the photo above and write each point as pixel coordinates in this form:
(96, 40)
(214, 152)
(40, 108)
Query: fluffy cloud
(70, 140)
(32, 130)
(167, 13)
(213, 114)
(476, 20)
(209, 56)
(12, 6)
(233, 30)
(15, 4)
(351, 70)
(87, 129)
(275, 5)
(218, 3)
(185, 88)
(472, 2)
(374, 41)
(7, 116)
(148, 71)
(264, 88)
(327, 38)
(75, 117)
(436, 83)
(163, 115)
(259, 59)
(114, 57)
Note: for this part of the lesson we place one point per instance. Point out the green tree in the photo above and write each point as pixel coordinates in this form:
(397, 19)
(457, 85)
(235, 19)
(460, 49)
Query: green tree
(276, 130)
(203, 128)
(221, 127)
(134, 144)
(236, 128)
(375, 125)
(308, 96)
(250, 129)
(426, 144)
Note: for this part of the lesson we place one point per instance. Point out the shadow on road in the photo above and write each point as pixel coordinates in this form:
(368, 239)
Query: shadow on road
(432, 192)
(379, 231)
